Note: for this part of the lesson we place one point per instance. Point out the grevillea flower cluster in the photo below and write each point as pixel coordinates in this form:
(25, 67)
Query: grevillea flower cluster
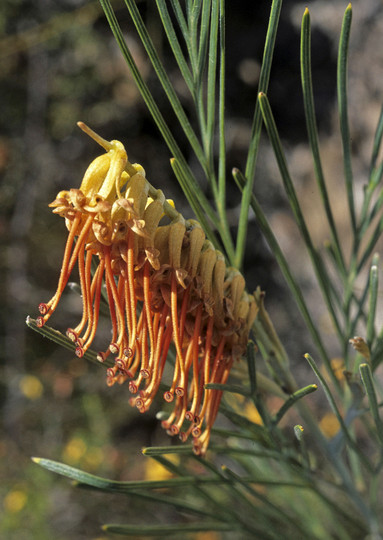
(165, 284)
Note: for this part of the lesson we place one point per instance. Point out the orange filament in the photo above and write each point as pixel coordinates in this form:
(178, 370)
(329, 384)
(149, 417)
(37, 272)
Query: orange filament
(164, 284)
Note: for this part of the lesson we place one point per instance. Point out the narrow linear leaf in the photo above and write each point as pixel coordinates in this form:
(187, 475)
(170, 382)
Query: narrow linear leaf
(211, 83)
(299, 394)
(377, 353)
(368, 215)
(64, 341)
(377, 142)
(161, 498)
(193, 10)
(308, 100)
(202, 55)
(174, 43)
(249, 508)
(155, 112)
(233, 388)
(165, 82)
(256, 132)
(260, 452)
(343, 110)
(352, 444)
(165, 530)
(373, 300)
(278, 513)
(299, 434)
(198, 489)
(177, 9)
(179, 470)
(319, 268)
(368, 383)
(264, 78)
(218, 23)
(221, 112)
(360, 314)
(371, 244)
(192, 190)
(111, 485)
(250, 357)
(287, 274)
(260, 433)
(161, 450)
(253, 527)
(125, 487)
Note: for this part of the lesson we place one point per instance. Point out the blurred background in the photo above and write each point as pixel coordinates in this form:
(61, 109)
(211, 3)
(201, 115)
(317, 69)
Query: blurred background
(59, 64)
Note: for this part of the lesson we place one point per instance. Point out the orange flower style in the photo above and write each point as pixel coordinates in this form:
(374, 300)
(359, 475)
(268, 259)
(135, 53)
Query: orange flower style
(165, 284)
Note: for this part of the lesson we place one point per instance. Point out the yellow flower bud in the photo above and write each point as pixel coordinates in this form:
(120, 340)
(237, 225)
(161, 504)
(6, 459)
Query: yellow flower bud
(95, 176)
(137, 190)
(197, 238)
(176, 237)
(207, 261)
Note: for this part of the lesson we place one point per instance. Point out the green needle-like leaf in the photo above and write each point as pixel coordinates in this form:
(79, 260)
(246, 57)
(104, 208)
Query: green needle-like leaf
(221, 112)
(104, 484)
(264, 78)
(373, 300)
(64, 341)
(160, 498)
(319, 268)
(287, 274)
(256, 132)
(109, 485)
(177, 9)
(371, 245)
(166, 530)
(193, 15)
(165, 82)
(174, 44)
(368, 383)
(191, 191)
(250, 357)
(377, 142)
(161, 450)
(155, 112)
(352, 444)
(343, 114)
(299, 434)
(299, 394)
(367, 215)
(308, 99)
(233, 388)
(211, 83)
(276, 512)
(203, 37)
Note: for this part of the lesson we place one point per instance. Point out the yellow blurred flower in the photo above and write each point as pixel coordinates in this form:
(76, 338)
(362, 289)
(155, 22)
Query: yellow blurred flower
(329, 425)
(210, 535)
(244, 406)
(74, 450)
(156, 471)
(338, 368)
(15, 501)
(251, 412)
(31, 387)
(94, 457)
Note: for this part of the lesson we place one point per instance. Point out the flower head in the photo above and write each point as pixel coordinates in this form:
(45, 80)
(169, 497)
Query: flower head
(165, 284)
